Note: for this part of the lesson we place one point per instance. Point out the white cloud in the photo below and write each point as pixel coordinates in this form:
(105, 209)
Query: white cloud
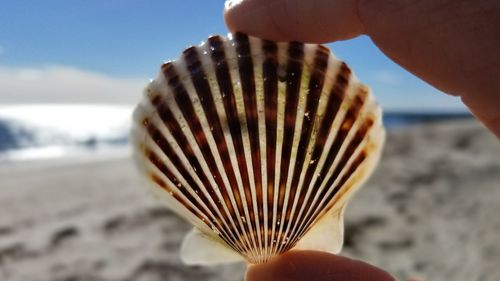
(61, 84)
(387, 77)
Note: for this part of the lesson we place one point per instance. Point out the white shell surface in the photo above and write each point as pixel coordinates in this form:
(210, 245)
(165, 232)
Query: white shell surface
(257, 143)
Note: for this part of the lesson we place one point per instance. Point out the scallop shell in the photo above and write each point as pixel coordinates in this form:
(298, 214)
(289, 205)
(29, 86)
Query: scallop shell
(258, 144)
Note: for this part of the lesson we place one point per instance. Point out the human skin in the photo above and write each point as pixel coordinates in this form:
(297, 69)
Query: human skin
(315, 266)
(453, 45)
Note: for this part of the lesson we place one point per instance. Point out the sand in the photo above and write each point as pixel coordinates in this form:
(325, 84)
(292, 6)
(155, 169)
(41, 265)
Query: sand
(432, 210)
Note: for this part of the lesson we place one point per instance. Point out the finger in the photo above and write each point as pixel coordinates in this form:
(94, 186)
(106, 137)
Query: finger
(316, 21)
(451, 44)
(317, 266)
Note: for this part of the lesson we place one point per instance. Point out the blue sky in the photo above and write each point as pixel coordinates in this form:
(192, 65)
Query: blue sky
(51, 51)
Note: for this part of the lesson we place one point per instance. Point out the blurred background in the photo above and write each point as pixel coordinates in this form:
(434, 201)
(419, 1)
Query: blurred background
(71, 205)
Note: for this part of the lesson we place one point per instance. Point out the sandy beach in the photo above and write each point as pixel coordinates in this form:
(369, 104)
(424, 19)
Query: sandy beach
(431, 210)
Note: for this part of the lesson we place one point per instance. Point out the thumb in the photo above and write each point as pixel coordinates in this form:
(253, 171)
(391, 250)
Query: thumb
(317, 21)
(315, 266)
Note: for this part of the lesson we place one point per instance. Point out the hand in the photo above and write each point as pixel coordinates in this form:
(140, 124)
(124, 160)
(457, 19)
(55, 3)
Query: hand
(452, 44)
(315, 266)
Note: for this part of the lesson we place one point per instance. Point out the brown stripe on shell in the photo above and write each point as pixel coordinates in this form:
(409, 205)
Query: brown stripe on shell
(160, 183)
(224, 81)
(228, 98)
(205, 95)
(360, 135)
(353, 145)
(183, 101)
(157, 136)
(160, 165)
(315, 87)
(226, 88)
(173, 126)
(293, 79)
(247, 80)
(335, 98)
(270, 80)
(175, 129)
(351, 116)
(327, 204)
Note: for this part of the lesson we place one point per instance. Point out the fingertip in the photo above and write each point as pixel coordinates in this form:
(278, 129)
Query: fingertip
(260, 18)
(318, 266)
(249, 17)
